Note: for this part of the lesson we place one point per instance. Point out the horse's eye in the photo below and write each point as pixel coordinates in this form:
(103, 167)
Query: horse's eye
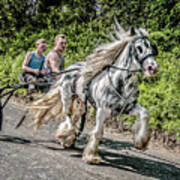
(140, 49)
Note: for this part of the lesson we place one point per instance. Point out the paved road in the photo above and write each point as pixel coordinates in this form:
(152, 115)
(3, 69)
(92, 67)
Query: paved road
(25, 155)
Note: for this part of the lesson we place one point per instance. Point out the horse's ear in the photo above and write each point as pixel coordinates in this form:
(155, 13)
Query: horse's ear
(131, 31)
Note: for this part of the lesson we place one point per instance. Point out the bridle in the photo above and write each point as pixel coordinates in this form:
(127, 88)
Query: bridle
(137, 58)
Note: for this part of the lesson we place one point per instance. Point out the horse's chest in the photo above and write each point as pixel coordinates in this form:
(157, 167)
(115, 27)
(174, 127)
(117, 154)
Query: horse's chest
(123, 104)
(118, 94)
(121, 99)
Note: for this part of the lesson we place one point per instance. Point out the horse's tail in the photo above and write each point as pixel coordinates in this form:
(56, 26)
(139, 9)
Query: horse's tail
(47, 108)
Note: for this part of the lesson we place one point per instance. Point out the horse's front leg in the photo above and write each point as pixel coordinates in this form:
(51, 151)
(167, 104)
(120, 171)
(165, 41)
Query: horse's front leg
(140, 128)
(90, 154)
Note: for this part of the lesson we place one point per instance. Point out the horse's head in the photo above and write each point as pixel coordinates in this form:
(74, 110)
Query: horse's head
(143, 52)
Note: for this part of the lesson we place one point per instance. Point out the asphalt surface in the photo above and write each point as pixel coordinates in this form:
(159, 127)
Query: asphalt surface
(25, 155)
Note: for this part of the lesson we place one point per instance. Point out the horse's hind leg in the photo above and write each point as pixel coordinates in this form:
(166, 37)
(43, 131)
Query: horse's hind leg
(66, 132)
(90, 154)
(79, 115)
(140, 128)
(73, 113)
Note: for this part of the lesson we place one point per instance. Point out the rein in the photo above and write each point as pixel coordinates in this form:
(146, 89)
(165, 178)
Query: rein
(40, 82)
(123, 69)
(61, 72)
(43, 81)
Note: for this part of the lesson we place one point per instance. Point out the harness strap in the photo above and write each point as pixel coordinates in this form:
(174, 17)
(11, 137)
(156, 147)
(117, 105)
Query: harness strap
(116, 91)
(123, 69)
(74, 86)
(144, 58)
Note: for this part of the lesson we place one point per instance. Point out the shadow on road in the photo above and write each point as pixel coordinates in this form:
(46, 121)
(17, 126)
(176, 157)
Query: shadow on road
(127, 162)
(141, 166)
(30, 142)
(144, 166)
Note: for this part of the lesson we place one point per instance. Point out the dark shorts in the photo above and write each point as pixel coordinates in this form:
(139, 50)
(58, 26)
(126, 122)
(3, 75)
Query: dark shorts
(27, 77)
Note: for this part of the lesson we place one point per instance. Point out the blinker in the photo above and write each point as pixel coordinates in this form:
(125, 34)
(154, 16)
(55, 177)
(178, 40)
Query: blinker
(154, 50)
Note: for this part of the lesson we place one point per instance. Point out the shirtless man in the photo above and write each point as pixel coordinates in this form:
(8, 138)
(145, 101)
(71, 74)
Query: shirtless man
(54, 61)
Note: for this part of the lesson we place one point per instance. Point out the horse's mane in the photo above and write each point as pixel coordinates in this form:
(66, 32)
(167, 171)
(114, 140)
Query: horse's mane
(106, 54)
(111, 50)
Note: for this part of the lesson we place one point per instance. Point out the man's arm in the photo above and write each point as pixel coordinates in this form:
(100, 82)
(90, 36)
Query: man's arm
(26, 62)
(53, 62)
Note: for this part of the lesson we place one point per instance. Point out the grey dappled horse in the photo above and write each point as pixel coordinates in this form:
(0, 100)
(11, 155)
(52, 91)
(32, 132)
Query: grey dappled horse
(112, 90)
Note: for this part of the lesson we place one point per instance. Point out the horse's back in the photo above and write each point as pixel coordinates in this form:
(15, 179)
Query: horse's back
(70, 77)
(76, 65)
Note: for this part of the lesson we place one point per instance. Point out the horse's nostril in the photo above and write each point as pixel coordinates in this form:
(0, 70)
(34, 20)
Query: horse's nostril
(150, 68)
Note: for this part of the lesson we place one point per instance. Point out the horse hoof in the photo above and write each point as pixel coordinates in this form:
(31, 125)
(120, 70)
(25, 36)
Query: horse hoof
(68, 146)
(67, 142)
(142, 143)
(91, 159)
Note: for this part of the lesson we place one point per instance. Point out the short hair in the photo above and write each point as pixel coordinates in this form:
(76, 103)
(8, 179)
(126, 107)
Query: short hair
(59, 36)
(40, 41)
